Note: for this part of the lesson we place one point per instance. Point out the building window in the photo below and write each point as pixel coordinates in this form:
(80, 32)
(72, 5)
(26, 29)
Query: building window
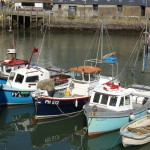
(119, 8)
(95, 7)
(142, 10)
(72, 8)
(59, 7)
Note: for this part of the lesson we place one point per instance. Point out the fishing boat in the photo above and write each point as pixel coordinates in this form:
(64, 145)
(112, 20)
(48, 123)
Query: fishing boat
(112, 106)
(10, 64)
(23, 81)
(136, 132)
(71, 100)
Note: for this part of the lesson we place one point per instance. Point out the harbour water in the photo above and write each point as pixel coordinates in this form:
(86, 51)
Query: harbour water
(18, 128)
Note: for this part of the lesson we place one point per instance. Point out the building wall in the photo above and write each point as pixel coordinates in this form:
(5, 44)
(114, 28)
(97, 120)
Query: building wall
(131, 11)
(87, 11)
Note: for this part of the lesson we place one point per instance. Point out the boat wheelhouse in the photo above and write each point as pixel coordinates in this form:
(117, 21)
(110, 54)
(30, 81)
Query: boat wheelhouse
(10, 64)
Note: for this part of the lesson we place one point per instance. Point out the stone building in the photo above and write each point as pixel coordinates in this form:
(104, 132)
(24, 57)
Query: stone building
(92, 8)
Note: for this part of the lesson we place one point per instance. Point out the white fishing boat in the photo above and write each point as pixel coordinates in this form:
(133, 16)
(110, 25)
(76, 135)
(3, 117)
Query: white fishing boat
(136, 132)
(111, 106)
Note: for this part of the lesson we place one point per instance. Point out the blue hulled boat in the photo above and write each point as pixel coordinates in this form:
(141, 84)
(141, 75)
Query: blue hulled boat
(22, 81)
(20, 84)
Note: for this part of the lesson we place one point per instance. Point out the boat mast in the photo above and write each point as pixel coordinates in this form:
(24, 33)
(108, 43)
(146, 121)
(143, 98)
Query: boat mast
(145, 42)
(100, 43)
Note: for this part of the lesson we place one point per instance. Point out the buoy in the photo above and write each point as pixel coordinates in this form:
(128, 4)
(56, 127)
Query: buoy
(76, 103)
(132, 117)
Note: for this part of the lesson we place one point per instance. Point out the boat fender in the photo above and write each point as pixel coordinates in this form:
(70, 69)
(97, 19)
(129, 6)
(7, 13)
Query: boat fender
(132, 117)
(148, 110)
(76, 103)
(67, 92)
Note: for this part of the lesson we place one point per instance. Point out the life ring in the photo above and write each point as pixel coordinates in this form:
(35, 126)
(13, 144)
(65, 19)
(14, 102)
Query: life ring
(110, 86)
(8, 61)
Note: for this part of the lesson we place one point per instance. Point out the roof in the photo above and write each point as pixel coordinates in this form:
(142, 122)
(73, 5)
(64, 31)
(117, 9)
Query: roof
(105, 2)
(86, 69)
(89, 2)
(31, 1)
(14, 62)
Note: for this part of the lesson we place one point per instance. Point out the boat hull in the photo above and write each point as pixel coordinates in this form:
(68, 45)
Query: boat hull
(136, 132)
(99, 125)
(56, 107)
(15, 97)
(3, 81)
(133, 142)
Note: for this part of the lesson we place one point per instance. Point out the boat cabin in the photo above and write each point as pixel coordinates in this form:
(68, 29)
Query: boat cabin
(11, 64)
(85, 73)
(119, 99)
(26, 78)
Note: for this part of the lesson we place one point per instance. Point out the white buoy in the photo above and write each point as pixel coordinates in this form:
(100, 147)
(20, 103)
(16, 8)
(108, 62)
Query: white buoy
(132, 117)
(76, 103)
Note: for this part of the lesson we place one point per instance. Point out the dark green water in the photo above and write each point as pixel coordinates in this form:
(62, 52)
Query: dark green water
(18, 128)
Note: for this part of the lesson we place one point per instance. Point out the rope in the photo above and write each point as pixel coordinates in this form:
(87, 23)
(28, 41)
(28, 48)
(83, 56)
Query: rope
(70, 116)
(94, 108)
(42, 44)
(116, 141)
(130, 57)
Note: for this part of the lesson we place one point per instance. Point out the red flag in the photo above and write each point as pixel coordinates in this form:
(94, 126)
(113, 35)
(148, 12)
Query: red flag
(35, 50)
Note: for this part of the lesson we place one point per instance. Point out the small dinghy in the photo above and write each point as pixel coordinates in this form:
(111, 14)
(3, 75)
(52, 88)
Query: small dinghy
(136, 132)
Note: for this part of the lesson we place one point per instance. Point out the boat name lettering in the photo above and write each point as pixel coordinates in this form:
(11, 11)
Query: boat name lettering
(20, 94)
(51, 102)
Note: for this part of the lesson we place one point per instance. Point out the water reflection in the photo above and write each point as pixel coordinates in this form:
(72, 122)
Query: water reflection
(18, 127)
(105, 141)
(51, 133)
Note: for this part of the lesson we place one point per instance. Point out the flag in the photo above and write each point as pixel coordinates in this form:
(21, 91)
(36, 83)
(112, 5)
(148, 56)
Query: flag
(35, 50)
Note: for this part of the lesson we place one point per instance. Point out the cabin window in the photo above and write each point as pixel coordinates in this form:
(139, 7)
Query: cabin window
(11, 76)
(121, 101)
(32, 79)
(8, 69)
(104, 99)
(78, 76)
(113, 101)
(92, 76)
(86, 77)
(96, 98)
(19, 78)
(127, 100)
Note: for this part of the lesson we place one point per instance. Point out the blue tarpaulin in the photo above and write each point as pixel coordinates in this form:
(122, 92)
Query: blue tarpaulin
(110, 59)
